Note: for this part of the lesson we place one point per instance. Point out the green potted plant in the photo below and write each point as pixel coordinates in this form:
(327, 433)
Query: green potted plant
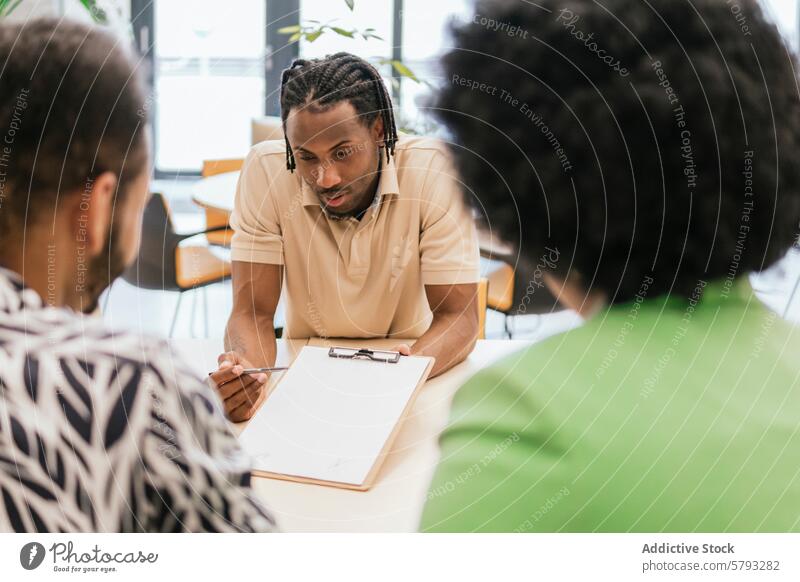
(97, 13)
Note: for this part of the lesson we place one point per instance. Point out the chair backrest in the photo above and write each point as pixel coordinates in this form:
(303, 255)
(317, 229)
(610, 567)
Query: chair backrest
(519, 290)
(483, 297)
(266, 128)
(501, 279)
(531, 295)
(215, 218)
(155, 266)
(222, 166)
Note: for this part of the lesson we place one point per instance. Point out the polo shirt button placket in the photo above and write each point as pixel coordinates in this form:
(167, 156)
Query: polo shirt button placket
(357, 266)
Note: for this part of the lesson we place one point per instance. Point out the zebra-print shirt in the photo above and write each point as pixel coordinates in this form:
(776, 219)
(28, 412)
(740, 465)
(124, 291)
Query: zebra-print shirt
(100, 431)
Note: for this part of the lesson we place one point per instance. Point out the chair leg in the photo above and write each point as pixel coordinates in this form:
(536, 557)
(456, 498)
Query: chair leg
(205, 312)
(175, 315)
(507, 320)
(194, 311)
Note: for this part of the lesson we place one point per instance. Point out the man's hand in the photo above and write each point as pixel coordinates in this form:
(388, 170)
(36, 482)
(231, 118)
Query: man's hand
(404, 349)
(454, 329)
(241, 394)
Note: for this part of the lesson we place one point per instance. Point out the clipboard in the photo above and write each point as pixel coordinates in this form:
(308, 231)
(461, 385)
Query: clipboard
(333, 416)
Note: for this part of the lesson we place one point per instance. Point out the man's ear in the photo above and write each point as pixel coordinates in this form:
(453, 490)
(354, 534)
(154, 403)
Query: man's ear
(378, 132)
(92, 220)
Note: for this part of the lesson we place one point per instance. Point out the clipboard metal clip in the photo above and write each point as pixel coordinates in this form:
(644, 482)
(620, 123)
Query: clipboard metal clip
(384, 356)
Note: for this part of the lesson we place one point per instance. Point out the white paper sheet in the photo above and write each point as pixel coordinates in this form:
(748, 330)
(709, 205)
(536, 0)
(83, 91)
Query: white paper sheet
(329, 418)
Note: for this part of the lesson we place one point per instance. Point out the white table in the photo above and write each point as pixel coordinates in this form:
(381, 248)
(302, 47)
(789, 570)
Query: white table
(216, 192)
(395, 503)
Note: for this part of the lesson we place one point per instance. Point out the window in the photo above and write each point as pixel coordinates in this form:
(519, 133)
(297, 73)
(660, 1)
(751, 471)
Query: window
(423, 34)
(366, 14)
(375, 14)
(784, 13)
(209, 79)
(425, 38)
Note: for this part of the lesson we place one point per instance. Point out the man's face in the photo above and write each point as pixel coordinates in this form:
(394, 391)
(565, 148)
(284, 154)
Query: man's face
(337, 155)
(122, 243)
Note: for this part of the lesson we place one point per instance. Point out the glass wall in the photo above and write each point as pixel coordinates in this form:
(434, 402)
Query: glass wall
(209, 63)
(209, 79)
(784, 13)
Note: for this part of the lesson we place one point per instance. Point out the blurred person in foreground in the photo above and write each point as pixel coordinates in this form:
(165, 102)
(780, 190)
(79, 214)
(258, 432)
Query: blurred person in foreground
(99, 431)
(648, 151)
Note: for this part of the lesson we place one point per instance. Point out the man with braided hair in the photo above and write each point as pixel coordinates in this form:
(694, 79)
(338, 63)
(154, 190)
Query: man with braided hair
(366, 232)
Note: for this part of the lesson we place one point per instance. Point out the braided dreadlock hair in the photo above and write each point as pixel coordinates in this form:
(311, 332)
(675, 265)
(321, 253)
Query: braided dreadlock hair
(339, 77)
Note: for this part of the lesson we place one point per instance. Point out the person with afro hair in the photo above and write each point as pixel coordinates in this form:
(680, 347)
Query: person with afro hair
(645, 156)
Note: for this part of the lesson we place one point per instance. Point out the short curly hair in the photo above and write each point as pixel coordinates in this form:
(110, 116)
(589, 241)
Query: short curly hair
(642, 140)
(72, 107)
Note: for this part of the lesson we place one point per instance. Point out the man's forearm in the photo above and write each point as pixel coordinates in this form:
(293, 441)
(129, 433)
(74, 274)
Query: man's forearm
(252, 337)
(450, 339)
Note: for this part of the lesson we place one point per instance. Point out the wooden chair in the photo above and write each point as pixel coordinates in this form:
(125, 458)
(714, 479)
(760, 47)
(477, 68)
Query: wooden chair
(216, 218)
(510, 289)
(266, 128)
(166, 265)
(483, 292)
(501, 288)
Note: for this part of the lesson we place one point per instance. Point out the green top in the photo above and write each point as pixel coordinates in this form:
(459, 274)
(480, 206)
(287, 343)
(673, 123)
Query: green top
(661, 414)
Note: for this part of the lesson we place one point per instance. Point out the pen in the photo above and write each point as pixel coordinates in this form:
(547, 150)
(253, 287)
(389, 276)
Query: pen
(259, 370)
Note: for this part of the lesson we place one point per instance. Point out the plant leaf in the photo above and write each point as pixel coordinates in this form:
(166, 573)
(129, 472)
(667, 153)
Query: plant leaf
(97, 13)
(404, 71)
(342, 31)
(350, 4)
(7, 9)
(312, 36)
(289, 29)
(295, 36)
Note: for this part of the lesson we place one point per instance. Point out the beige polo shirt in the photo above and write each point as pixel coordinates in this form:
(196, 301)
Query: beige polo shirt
(351, 278)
